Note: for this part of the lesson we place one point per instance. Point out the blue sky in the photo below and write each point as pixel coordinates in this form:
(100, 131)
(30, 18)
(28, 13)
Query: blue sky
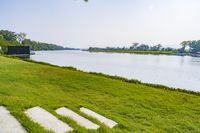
(74, 23)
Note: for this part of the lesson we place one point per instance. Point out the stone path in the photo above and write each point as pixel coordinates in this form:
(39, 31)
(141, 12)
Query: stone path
(77, 118)
(47, 120)
(8, 123)
(102, 119)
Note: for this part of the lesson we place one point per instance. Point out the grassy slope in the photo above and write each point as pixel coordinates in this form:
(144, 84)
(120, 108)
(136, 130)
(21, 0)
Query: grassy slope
(135, 107)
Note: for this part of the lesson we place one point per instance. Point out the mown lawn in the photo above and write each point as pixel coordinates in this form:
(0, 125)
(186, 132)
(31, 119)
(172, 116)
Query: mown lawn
(137, 108)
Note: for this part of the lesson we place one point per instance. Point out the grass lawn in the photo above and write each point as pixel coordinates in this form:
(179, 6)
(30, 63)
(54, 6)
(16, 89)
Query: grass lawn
(136, 107)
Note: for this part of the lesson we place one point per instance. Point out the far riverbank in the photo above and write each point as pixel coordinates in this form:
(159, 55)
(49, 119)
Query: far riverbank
(138, 52)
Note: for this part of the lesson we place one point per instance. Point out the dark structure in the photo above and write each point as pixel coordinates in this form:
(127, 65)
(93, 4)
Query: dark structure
(197, 54)
(19, 50)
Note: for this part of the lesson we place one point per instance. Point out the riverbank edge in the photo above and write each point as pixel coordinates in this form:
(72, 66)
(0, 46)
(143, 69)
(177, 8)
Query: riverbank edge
(123, 79)
(137, 52)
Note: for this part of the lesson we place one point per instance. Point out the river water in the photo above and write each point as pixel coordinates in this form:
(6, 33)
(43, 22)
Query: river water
(173, 71)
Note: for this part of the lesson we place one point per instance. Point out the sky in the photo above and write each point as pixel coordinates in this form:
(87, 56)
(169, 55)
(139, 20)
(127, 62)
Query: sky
(101, 23)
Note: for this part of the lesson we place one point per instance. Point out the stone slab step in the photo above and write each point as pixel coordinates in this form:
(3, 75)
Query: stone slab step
(77, 118)
(8, 123)
(102, 119)
(47, 120)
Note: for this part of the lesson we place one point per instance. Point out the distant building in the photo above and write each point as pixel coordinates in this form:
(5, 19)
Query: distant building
(18, 50)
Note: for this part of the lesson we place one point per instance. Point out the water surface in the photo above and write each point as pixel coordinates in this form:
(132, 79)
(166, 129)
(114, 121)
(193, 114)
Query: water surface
(172, 71)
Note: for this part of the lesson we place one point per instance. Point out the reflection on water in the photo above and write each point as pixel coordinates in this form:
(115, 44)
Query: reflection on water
(173, 71)
(195, 60)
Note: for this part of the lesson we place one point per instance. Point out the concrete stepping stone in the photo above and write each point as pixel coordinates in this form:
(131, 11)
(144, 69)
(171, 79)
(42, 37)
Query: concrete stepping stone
(8, 123)
(102, 119)
(47, 120)
(77, 118)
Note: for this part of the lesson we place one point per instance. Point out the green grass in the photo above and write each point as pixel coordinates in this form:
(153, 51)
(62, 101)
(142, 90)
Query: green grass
(137, 52)
(136, 107)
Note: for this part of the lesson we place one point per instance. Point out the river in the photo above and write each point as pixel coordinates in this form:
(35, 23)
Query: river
(173, 71)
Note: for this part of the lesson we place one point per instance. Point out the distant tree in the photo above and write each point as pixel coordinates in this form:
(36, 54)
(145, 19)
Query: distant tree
(184, 44)
(8, 35)
(21, 37)
(41, 46)
(143, 47)
(156, 47)
(168, 49)
(134, 46)
(194, 46)
(7, 38)
(1, 37)
(27, 42)
(124, 48)
(159, 46)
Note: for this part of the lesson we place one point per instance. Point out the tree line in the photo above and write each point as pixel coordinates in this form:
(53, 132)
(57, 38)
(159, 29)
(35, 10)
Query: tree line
(194, 47)
(137, 47)
(8, 38)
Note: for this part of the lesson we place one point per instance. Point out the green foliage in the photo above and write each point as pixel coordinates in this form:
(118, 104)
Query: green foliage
(8, 38)
(1, 37)
(193, 45)
(41, 46)
(166, 52)
(4, 44)
(157, 49)
(142, 47)
(21, 37)
(137, 48)
(136, 107)
(8, 35)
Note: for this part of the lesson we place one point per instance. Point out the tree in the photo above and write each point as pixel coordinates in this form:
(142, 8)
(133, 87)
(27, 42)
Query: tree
(21, 37)
(156, 47)
(184, 44)
(1, 37)
(168, 49)
(194, 46)
(143, 47)
(134, 46)
(8, 35)
(26, 41)
(159, 46)
(41, 46)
